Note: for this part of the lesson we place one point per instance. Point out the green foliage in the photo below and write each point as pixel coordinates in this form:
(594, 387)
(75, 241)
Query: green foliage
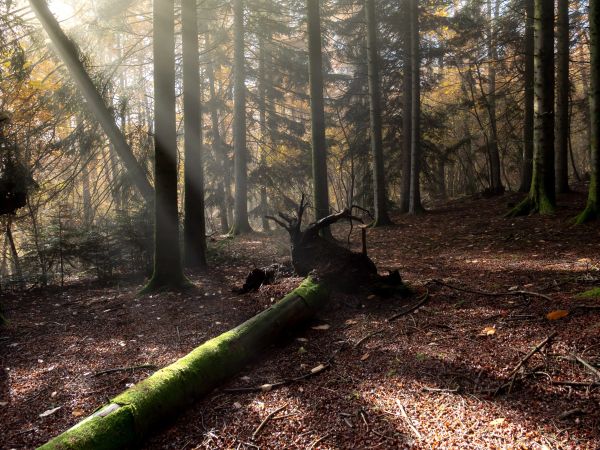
(591, 293)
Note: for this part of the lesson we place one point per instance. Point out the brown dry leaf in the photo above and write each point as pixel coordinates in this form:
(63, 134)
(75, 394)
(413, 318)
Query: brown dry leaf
(371, 297)
(350, 322)
(498, 421)
(266, 387)
(77, 413)
(557, 314)
(322, 327)
(488, 331)
(50, 411)
(365, 356)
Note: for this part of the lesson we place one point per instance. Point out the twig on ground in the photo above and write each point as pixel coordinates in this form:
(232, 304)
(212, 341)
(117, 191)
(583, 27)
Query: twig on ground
(408, 421)
(586, 384)
(422, 300)
(124, 369)
(318, 441)
(268, 386)
(264, 422)
(430, 389)
(492, 294)
(526, 358)
(368, 336)
(587, 365)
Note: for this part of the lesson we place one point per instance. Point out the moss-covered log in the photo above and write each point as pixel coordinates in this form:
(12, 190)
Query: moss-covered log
(132, 415)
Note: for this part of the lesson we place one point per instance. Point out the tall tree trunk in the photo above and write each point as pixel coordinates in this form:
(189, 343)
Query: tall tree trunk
(167, 256)
(541, 196)
(415, 206)
(262, 112)
(317, 112)
(494, 154)
(69, 55)
(379, 188)
(406, 113)
(224, 178)
(194, 222)
(240, 219)
(562, 98)
(591, 211)
(527, 162)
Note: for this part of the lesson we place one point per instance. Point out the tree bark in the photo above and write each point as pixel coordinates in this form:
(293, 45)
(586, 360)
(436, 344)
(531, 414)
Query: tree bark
(132, 415)
(379, 188)
(562, 98)
(240, 219)
(591, 211)
(317, 112)
(67, 51)
(541, 198)
(194, 226)
(224, 183)
(406, 113)
(494, 154)
(262, 112)
(167, 255)
(527, 163)
(415, 206)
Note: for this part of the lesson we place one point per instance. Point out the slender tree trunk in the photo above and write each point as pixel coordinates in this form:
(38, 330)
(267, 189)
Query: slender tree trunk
(494, 154)
(241, 224)
(406, 113)
(167, 256)
(262, 112)
(317, 112)
(415, 206)
(527, 163)
(69, 55)
(13, 251)
(224, 178)
(591, 211)
(379, 187)
(541, 196)
(562, 98)
(194, 222)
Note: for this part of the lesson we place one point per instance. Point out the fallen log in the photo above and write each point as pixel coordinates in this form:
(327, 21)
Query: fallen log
(128, 418)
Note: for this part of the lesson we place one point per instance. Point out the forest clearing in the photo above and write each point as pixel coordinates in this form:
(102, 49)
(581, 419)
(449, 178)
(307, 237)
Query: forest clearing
(440, 365)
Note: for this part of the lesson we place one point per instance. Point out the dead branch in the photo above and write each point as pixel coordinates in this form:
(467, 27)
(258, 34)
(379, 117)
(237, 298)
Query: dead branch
(526, 358)
(587, 365)
(125, 369)
(492, 294)
(264, 422)
(268, 386)
(422, 300)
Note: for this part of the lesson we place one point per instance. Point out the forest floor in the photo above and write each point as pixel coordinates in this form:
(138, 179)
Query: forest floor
(426, 380)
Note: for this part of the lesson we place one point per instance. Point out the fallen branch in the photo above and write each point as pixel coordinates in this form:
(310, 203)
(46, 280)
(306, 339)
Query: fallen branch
(264, 422)
(526, 358)
(422, 300)
(586, 384)
(408, 421)
(124, 369)
(268, 386)
(492, 294)
(318, 441)
(587, 365)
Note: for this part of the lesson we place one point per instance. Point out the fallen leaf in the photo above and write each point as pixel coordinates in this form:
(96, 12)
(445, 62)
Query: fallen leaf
(558, 314)
(365, 357)
(266, 387)
(322, 327)
(237, 405)
(77, 412)
(301, 350)
(371, 297)
(488, 331)
(302, 339)
(50, 411)
(3, 403)
(498, 421)
(350, 322)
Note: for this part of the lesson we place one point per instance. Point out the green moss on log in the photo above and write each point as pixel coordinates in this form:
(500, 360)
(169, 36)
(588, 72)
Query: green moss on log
(132, 415)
